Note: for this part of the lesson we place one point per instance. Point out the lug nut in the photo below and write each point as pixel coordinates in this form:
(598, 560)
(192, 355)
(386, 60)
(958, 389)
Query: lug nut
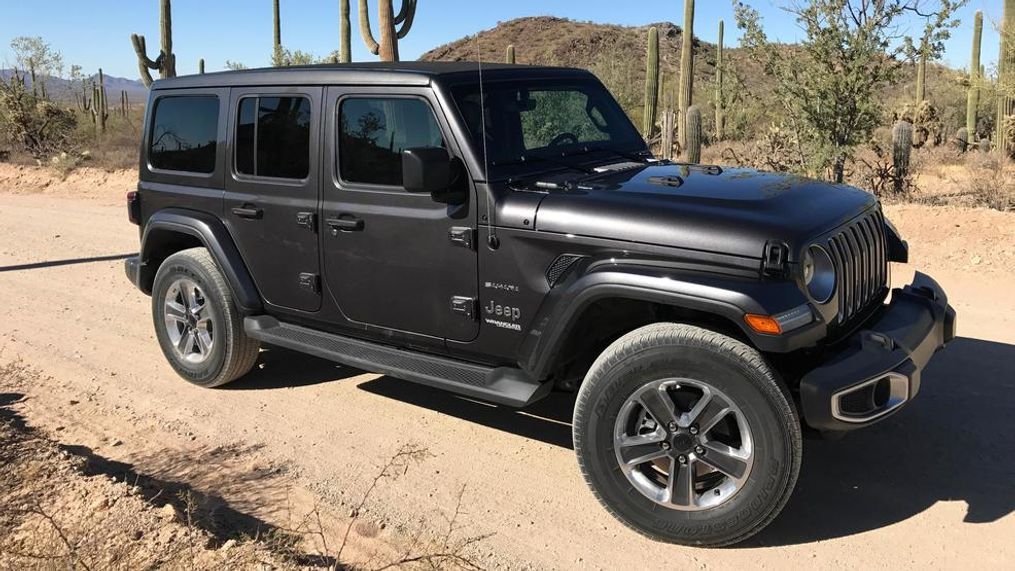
(682, 459)
(672, 426)
(694, 429)
(699, 449)
(664, 445)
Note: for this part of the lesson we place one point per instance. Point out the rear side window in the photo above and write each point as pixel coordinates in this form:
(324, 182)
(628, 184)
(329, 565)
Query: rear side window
(273, 137)
(185, 133)
(373, 132)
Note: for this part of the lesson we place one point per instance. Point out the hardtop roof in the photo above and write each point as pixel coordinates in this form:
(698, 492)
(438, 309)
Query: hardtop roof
(365, 73)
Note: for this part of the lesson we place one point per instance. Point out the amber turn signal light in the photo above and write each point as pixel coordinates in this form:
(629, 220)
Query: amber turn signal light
(763, 324)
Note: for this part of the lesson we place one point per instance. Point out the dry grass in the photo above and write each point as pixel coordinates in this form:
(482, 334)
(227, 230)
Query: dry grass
(57, 513)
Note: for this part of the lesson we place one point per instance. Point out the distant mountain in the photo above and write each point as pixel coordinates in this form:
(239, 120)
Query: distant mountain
(62, 90)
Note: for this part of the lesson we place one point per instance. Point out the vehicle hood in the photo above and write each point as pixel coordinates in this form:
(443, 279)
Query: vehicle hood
(733, 211)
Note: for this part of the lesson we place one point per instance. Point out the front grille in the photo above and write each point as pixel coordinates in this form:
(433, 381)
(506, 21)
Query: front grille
(859, 254)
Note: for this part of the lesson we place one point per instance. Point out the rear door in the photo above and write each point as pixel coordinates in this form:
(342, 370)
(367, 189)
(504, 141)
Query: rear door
(390, 260)
(273, 189)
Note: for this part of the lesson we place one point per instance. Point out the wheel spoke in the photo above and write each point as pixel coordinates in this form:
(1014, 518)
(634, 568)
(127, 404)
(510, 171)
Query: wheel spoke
(681, 483)
(659, 404)
(176, 311)
(186, 342)
(203, 341)
(187, 293)
(724, 459)
(693, 416)
(635, 450)
(710, 416)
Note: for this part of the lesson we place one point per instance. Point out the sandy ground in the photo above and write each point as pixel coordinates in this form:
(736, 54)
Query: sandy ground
(930, 487)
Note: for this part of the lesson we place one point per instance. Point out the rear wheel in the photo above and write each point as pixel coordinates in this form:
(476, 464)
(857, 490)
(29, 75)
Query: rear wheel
(687, 436)
(197, 325)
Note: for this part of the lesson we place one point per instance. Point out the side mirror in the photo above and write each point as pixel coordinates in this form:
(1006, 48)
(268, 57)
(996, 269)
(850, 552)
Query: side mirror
(426, 169)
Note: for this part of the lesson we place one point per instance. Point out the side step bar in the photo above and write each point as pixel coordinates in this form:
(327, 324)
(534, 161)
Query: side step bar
(501, 385)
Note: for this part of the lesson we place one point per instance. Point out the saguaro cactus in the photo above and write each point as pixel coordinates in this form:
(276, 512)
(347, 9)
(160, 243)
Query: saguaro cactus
(200, 66)
(686, 72)
(973, 97)
(276, 25)
(345, 33)
(921, 75)
(1006, 77)
(694, 135)
(962, 140)
(902, 149)
(165, 64)
(393, 27)
(720, 95)
(509, 57)
(651, 83)
(99, 109)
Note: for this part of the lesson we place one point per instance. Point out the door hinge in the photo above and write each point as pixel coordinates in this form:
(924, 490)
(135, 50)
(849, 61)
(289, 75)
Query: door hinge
(310, 282)
(464, 306)
(307, 220)
(462, 236)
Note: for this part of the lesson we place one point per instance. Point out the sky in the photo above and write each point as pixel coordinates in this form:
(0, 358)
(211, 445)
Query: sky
(96, 33)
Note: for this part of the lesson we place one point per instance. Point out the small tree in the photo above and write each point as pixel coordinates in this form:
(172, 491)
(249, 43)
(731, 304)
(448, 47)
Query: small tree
(851, 51)
(36, 57)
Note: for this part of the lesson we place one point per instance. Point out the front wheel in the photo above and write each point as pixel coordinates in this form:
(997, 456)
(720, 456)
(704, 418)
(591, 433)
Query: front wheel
(687, 436)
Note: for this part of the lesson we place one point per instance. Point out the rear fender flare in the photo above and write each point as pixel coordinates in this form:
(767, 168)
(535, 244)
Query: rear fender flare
(164, 225)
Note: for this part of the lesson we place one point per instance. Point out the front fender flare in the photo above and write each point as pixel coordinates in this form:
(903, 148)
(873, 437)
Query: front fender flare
(728, 297)
(210, 231)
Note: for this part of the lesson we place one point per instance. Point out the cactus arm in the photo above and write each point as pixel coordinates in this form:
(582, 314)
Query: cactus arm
(409, 9)
(144, 64)
(510, 56)
(364, 28)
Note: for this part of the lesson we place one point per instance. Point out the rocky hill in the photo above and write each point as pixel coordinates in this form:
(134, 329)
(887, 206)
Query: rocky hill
(617, 55)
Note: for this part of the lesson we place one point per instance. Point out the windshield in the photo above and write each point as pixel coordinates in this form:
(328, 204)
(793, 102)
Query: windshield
(530, 120)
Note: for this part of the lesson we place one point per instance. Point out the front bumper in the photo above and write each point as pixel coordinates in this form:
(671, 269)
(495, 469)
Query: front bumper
(878, 371)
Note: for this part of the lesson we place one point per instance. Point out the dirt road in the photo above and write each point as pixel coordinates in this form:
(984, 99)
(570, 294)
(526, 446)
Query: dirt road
(932, 486)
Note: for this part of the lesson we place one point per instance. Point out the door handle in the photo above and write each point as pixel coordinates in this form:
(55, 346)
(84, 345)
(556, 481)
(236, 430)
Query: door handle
(249, 212)
(349, 224)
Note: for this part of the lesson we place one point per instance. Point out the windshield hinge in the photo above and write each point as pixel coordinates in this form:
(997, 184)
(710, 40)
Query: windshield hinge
(776, 259)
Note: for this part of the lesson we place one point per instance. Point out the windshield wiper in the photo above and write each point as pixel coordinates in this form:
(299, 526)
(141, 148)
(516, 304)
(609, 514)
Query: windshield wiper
(639, 157)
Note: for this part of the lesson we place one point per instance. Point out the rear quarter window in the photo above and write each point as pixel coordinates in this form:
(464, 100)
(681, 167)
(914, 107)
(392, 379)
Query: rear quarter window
(184, 133)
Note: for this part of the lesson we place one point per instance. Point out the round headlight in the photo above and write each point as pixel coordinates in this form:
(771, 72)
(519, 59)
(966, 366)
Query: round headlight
(819, 274)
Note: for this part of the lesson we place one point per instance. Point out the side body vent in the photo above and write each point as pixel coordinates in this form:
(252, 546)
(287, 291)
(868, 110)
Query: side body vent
(560, 267)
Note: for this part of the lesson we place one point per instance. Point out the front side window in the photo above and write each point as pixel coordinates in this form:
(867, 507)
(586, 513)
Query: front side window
(373, 132)
(184, 133)
(273, 137)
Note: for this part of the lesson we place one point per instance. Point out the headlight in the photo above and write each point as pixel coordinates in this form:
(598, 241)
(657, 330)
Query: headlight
(819, 274)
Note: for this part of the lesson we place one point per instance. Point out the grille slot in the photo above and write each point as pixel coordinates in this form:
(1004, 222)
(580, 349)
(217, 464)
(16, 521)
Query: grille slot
(858, 252)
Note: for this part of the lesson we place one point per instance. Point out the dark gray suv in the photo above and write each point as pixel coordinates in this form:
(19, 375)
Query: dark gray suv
(504, 232)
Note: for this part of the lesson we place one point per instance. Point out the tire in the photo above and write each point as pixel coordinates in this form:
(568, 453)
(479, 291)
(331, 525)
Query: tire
(219, 351)
(755, 425)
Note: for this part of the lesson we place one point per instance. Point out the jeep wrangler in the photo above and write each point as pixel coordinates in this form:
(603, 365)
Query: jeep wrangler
(500, 231)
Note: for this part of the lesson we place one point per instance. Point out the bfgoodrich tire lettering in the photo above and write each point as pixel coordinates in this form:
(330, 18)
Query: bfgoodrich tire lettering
(196, 322)
(658, 352)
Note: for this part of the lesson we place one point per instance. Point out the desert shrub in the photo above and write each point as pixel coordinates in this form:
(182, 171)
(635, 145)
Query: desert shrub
(991, 181)
(37, 126)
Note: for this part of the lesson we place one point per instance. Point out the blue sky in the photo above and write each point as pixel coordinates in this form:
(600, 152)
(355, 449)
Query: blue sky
(96, 33)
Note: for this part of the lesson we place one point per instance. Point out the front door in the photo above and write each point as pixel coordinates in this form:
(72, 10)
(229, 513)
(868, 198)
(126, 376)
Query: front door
(389, 258)
(272, 191)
